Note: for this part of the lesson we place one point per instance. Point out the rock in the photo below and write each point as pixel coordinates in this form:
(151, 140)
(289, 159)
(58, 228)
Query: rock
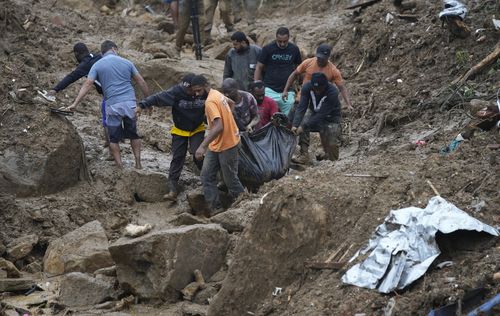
(34, 267)
(477, 104)
(160, 264)
(166, 26)
(21, 247)
(233, 220)
(79, 289)
(10, 312)
(19, 284)
(148, 186)
(10, 268)
(204, 296)
(3, 249)
(105, 9)
(52, 160)
(109, 271)
(219, 52)
(496, 276)
(197, 204)
(190, 290)
(189, 309)
(188, 219)
(285, 231)
(82, 250)
(156, 49)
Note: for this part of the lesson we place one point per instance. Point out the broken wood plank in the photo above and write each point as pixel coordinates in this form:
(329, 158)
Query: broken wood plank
(363, 4)
(407, 17)
(483, 64)
(325, 265)
(432, 187)
(365, 175)
(332, 256)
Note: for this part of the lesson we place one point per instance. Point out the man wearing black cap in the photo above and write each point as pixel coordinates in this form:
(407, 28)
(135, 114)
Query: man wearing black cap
(188, 113)
(320, 63)
(320, 100)
(241, 60)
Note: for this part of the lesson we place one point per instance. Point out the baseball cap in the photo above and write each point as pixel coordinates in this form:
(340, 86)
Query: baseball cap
(323, 51)
(318, 80)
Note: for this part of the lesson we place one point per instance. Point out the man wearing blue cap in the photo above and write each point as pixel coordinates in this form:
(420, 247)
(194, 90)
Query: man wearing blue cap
(319, 110)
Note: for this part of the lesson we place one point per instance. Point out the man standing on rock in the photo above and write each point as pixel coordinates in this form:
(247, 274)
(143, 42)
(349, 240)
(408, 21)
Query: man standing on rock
(245, 110)
(220, 146)
(276, 62)
(320, 63)
(115, 74)
(266, 106)
(188, 113)
(320, 105)
(241, 60)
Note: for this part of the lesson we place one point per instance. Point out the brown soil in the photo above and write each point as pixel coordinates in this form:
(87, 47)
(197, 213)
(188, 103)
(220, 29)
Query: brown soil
(399, 77)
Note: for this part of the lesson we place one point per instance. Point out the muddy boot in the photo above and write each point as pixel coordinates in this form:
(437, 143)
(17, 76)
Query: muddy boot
(332, 152)
(174, 192)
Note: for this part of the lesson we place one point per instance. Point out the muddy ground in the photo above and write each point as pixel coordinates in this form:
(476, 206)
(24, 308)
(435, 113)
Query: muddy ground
(55, 175)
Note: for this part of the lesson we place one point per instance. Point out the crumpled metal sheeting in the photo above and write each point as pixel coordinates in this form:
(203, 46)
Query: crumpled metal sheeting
(404, 246)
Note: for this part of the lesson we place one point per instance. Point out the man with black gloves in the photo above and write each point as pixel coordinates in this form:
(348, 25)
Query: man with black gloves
(320, 99)
(85, 61)
(188, 113)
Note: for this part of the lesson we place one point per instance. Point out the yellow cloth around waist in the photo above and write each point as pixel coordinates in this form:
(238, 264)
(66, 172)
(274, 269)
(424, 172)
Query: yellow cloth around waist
(180, 132)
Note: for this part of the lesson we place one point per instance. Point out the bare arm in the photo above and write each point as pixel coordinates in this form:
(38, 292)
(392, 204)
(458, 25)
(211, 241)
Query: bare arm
(215, 129)
(289, 83)
(258, 71)
(253, 123)
(345, 95)
(83, 91)
(142, 85)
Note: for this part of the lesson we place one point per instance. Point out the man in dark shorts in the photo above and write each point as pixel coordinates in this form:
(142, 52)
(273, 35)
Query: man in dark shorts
(115, 74)
(188, 113)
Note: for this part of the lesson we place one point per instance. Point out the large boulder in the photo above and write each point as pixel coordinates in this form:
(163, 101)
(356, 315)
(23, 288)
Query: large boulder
(41, 153)
(21, 247)
(160, 264)
(285, 231)
(80, 289)
(82, 250)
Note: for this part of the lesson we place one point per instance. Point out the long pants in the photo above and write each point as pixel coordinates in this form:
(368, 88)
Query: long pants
(185, 21)
(330, 136)
(179, 150)
(227, 162)
(330, 140)
(250, 8)
(225, 14)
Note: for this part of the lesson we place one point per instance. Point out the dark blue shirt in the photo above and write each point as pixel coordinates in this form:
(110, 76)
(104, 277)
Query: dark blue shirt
(82, 70)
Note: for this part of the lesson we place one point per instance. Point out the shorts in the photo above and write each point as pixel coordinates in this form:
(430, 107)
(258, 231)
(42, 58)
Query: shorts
(121, 127)
(170, 1)
(103, 112)
(284, 106)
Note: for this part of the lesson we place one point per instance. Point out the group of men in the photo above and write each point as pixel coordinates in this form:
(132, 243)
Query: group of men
(230, 13)
(257, 84)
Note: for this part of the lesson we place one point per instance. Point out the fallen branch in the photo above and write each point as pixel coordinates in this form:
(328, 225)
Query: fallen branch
(158, 85)
(433, 187)
(325, 265)
(365, 176)
(363, 4)
(483, 64)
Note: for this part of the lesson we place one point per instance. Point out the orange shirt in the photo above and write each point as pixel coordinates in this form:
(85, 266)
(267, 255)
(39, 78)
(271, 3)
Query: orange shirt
(310, 66)
(216, 106)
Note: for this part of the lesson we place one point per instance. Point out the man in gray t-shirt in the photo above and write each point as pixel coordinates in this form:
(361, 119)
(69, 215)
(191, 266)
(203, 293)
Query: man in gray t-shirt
(115, 75)
(245, 111)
